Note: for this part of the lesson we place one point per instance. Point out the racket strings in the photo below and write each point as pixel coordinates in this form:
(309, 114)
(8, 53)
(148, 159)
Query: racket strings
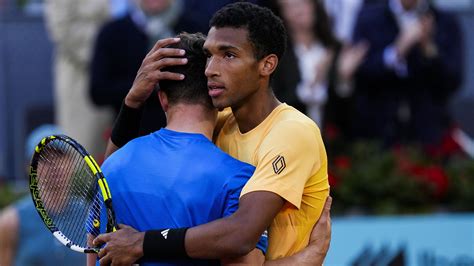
(69, 191)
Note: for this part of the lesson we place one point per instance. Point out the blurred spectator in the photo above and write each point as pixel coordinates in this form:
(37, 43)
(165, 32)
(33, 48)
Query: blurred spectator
(414, 65)
(73, 26)
(343, 14)
(119, 8)
(120, 48)
(24, 239)
(309, 74)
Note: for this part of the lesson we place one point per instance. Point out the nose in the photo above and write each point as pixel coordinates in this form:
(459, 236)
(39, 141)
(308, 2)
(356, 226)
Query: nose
(211, 68)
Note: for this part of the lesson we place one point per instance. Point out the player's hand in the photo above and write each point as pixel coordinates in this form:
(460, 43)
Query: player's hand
(321, 234)
(122, 247)
(150, 71)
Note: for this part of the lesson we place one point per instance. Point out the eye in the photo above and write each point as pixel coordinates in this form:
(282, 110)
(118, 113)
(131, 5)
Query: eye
(229, 55)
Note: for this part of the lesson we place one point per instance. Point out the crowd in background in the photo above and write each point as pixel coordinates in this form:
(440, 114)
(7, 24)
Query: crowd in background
(377, 70)
(381, 70)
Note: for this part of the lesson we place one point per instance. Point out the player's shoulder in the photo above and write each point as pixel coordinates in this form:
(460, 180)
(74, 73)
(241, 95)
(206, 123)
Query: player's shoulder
(290, 119)
(126, 153)
(293, 129)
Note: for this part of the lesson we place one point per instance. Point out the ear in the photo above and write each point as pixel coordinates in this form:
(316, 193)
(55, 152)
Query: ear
(163, 100)
(268, 64)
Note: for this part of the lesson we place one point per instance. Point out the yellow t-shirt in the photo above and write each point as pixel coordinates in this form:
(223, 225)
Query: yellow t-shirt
(290, 159)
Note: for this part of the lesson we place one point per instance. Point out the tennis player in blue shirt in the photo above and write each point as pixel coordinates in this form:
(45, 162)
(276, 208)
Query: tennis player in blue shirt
(176, 177)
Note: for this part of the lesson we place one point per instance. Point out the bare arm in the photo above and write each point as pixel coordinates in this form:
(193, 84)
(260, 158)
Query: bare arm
(255, 257)
(8, 236)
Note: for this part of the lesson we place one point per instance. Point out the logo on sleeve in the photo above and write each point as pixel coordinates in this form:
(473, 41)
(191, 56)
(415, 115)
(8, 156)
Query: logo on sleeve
(164, 233)
(279, 164)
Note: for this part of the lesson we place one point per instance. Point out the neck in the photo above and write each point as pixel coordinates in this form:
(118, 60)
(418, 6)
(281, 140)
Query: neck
(255, 109)
(191, 118)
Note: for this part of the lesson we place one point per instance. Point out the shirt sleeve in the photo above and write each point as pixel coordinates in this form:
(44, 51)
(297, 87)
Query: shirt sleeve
(291, 153)
(233, 190)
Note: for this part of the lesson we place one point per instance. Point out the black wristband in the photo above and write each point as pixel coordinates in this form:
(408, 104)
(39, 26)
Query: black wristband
(164, 244)
(127, 125)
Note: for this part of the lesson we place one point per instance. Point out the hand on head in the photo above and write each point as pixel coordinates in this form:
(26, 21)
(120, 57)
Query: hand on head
(150, 72)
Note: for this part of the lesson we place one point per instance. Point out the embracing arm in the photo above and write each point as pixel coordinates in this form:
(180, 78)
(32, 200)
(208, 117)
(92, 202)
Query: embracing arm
(126, 244)
(237, 234)
(230, 237)
(320, 239)
(313, 254)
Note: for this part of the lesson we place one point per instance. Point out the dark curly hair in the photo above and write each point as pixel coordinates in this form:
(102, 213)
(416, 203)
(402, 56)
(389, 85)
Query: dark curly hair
(265, 30)
(193, 89)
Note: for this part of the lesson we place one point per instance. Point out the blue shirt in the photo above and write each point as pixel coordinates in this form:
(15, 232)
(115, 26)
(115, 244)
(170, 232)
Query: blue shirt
(171, 179)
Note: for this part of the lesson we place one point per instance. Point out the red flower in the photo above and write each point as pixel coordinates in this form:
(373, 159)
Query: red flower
(433, 175)
(447, 147)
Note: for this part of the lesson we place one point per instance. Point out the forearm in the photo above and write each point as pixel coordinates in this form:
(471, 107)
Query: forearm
(229, 237)
(222, 238)
(255, 257)
(237, 234)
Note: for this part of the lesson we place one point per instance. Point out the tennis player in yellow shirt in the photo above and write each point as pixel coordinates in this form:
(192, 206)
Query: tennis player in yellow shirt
(287, 192)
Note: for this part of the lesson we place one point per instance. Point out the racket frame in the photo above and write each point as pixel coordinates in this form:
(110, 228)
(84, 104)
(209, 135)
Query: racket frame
(94, 167)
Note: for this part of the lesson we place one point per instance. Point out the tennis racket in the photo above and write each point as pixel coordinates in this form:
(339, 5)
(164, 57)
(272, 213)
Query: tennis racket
(70, 192)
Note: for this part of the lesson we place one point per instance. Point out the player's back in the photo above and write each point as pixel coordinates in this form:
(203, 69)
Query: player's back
(171, 179)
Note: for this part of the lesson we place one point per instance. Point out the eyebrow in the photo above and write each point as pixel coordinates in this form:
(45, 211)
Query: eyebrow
(223, 47)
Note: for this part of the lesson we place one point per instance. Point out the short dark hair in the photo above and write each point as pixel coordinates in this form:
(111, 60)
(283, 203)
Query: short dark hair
(193, 88)
(266, 31)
